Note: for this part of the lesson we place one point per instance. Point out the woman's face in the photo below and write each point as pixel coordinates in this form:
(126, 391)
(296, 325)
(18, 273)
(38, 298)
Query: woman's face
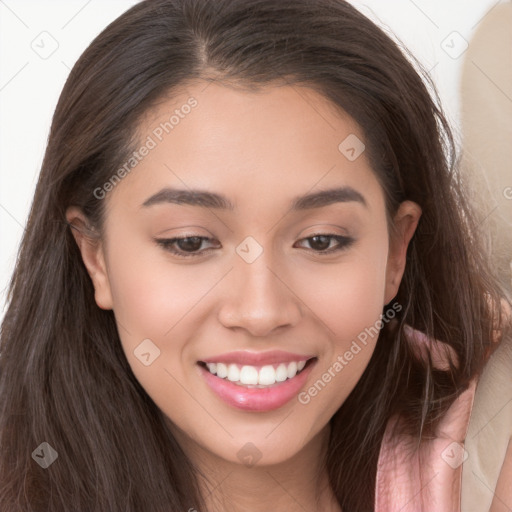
(275, 274)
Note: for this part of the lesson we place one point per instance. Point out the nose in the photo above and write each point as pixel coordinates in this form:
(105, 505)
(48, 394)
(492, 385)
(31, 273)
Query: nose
(258, 299)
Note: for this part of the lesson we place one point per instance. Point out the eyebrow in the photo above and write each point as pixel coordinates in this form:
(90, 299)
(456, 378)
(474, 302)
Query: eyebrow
(217, 201)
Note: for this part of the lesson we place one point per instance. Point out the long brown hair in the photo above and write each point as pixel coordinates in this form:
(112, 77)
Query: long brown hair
(64, 378)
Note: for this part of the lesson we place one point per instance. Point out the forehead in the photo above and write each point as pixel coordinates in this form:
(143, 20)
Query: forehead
(249, 145)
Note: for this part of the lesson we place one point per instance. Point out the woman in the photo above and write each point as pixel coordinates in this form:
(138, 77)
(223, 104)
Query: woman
(249, 255)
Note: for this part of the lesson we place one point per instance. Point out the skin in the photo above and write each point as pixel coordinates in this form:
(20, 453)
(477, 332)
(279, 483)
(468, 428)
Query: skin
(261, 150)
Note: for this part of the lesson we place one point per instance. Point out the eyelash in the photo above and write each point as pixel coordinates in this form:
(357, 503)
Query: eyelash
(167, 244)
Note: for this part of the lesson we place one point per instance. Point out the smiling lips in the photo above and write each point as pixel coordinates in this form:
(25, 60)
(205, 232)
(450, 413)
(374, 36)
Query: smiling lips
(256, 381)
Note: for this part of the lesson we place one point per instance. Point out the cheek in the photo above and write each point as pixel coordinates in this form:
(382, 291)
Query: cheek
(349, 296)
(150, 293)
(158, 301)
(349, 300)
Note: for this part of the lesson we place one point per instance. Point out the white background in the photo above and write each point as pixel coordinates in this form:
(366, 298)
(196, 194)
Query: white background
(30, 85)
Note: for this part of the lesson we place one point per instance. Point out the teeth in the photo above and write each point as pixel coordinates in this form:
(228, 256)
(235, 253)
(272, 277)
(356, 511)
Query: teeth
(253, 376)
(281, 373)
(292, 370)
(267, 375)
(222, 370)
(233, 373)
(248, 375)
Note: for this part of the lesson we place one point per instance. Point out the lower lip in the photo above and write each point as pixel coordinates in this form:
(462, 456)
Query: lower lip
(257, 399)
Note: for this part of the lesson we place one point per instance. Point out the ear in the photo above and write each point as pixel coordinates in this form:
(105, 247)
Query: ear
(91, 248)
(405, 222)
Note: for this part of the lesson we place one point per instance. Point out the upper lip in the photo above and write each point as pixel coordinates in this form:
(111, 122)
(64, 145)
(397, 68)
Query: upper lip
(243, 357)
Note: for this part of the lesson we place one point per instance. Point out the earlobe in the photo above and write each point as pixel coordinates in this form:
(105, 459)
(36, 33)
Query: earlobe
(405, 223)
(91, 249)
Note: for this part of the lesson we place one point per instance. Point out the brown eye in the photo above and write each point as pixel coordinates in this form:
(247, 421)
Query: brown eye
(190, 244)
(187, 246)
(327, 243)
(320, 242)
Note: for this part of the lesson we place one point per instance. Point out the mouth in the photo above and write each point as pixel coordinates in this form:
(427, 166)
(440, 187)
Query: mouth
(257, 388)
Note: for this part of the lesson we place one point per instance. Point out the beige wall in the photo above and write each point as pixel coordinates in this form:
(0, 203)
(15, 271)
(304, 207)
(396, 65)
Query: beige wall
(486, 117)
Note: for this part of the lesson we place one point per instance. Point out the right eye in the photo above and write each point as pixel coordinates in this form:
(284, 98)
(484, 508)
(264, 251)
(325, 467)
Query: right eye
(185, 247)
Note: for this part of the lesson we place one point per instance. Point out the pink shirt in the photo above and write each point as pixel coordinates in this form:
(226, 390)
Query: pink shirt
(429, 480)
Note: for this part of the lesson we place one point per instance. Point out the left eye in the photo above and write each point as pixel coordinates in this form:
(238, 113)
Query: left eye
(322, 243)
